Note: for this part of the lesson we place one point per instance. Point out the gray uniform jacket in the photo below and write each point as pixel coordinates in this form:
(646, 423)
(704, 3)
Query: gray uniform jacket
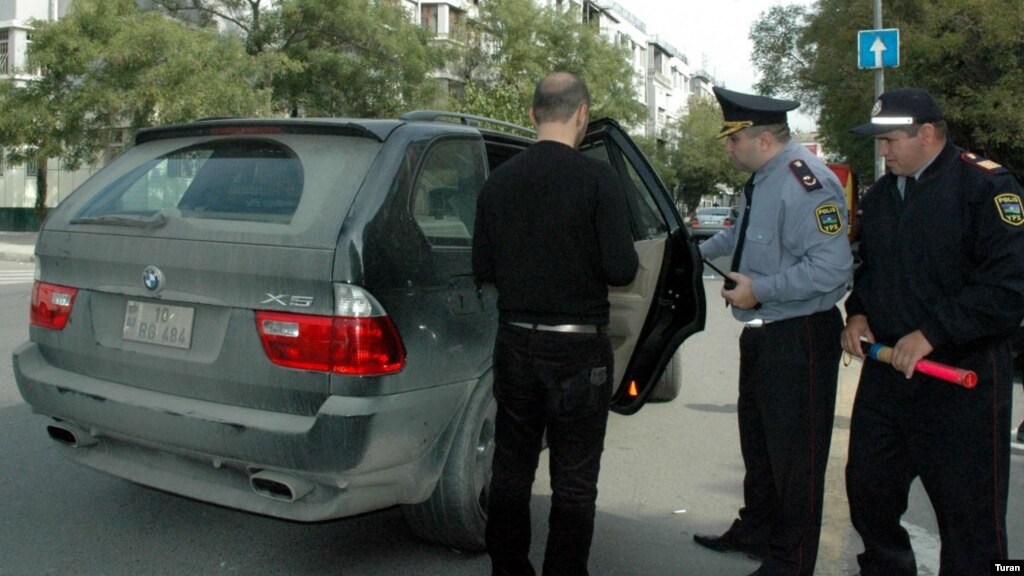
(796, 251)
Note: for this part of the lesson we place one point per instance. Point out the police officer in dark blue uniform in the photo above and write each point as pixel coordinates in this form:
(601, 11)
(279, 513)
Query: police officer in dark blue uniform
(942, 243)
(791, 262)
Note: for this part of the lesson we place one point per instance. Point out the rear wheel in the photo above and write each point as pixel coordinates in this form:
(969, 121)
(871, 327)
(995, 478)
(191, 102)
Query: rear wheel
(455, 515)
(671, 381)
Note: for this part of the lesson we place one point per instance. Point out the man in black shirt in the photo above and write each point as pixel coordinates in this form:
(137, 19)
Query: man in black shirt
(551, 234)
(942, 245)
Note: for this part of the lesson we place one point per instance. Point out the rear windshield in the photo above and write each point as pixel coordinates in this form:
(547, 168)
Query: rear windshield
(243, 179)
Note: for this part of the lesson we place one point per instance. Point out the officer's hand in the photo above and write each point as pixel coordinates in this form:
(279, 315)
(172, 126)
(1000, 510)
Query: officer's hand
(742, 295)
(909, 350)
(856, 329)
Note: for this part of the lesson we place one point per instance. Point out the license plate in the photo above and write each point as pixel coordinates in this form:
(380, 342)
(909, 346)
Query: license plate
(156, 323)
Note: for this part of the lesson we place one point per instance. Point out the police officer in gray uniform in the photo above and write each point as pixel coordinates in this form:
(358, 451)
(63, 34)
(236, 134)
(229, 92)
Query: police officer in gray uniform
(791, 262)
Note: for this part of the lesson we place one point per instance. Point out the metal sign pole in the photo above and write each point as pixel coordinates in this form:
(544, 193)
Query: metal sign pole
(879, 88)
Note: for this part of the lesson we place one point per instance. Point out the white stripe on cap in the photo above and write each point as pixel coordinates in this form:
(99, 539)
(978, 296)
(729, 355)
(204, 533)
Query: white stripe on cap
(892, 120)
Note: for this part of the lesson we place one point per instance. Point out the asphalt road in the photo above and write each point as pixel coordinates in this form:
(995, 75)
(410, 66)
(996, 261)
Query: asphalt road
(670, 471)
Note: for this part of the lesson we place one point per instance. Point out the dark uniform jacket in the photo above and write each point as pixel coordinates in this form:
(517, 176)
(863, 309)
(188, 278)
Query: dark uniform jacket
(948, 260)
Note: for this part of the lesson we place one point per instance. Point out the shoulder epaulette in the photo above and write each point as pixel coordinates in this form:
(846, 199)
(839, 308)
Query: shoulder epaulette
(804, 175)
(979, 162)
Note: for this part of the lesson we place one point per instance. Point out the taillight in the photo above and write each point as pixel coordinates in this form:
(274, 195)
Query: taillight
(51, 305)
(360, 339)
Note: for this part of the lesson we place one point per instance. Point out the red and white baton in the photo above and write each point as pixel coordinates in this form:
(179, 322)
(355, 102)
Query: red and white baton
(966, 378)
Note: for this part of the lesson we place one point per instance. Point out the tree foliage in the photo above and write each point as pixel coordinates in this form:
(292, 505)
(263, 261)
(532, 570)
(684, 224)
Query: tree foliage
(968, 53)
(527, 42)
(108, 66)
(354, 58)
(700, 162)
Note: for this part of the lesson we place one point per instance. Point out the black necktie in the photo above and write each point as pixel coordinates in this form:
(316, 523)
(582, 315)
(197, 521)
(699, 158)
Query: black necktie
(908, 185)
(748, 191)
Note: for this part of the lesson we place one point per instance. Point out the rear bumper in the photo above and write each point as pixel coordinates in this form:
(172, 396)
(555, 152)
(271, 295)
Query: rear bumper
(703, 232)
(360, 453)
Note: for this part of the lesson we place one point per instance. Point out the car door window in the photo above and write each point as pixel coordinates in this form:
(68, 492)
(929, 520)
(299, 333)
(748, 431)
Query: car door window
(645, 217)
(443, 202)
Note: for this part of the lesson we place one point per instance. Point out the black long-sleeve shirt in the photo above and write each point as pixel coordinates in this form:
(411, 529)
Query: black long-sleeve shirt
(948, 260)
(552, 233)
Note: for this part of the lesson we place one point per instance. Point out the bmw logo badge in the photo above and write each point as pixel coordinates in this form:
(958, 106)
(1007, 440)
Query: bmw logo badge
(152, 278)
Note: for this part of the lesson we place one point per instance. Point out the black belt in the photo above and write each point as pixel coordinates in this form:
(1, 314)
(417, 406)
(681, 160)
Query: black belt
(761, 323)
(567, 328)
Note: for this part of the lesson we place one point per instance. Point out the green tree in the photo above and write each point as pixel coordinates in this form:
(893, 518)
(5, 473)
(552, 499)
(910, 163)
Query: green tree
(257, 21)
(527, 43)
(700, 162)
(660, 156)
(969, 54)
(354, 58)
(107, 67)
(331, 57)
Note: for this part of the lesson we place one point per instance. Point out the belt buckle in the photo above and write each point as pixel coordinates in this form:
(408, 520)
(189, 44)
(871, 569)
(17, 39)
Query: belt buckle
(755, 323)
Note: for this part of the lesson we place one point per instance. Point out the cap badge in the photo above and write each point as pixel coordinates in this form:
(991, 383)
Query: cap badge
(877, 109)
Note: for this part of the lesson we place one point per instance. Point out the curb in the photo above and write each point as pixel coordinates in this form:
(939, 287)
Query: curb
(17, 257)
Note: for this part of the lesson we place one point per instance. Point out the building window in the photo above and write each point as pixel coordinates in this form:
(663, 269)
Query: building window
(31, 169)
(4, 64)
(454, 21)
(3, 160)
(428, 17)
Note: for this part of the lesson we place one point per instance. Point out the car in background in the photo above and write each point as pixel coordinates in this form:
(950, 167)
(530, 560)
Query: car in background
(707, 222)
(280, 315)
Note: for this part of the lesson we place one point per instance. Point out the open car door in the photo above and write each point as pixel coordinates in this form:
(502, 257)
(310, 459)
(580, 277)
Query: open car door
(665, 304)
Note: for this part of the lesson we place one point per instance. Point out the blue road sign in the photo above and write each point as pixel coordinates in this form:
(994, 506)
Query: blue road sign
(878, 48)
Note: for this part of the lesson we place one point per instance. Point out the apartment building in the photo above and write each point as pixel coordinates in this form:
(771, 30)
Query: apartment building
(18, 182)
(663, 79)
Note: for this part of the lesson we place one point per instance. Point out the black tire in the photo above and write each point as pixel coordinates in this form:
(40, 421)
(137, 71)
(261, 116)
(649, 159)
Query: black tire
(671, 382)
(455, 515)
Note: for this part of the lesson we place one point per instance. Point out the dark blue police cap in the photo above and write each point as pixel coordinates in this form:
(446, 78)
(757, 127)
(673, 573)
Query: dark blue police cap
(900, 107)
(744, 110)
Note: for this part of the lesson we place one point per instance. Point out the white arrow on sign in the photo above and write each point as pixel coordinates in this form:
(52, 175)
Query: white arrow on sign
(878, 47)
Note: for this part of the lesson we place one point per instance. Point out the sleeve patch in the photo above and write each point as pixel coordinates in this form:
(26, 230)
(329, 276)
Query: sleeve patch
(830, 219)
(804, 175)
(1010, 210)
(979, 162)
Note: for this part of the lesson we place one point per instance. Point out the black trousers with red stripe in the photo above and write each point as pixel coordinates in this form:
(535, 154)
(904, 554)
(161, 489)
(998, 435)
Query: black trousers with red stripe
(955, 440)
(788, 375)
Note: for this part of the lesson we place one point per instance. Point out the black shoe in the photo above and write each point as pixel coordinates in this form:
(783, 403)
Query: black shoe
(726, 543)
(1020, 433)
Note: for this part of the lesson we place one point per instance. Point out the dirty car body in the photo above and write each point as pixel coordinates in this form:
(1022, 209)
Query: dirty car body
(280, 316)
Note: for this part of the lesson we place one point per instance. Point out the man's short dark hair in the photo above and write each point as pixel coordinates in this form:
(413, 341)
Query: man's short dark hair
(558, 96)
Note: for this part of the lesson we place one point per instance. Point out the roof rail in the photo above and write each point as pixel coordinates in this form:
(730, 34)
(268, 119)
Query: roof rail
(465, 119)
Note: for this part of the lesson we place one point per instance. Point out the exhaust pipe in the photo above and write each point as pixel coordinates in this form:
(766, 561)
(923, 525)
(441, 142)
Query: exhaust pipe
(278, 486)
(70, 435)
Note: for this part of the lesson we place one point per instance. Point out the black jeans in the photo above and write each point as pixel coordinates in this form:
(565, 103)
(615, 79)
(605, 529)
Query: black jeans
(788, 376)
(560, 384)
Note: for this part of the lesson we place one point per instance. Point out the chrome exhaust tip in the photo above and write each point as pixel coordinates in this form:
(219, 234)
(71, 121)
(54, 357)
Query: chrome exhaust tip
(68, 434)
(278, 486)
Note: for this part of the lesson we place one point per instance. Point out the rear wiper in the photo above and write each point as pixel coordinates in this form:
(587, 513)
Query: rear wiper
(152, 221)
